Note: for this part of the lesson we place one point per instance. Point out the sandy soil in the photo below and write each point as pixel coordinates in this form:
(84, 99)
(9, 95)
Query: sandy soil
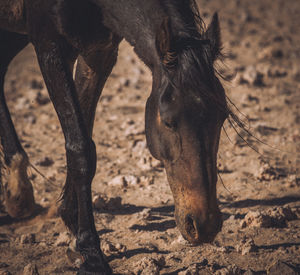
(260, 194)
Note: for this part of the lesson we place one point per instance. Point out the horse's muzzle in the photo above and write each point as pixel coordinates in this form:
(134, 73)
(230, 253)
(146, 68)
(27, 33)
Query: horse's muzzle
(198, 231)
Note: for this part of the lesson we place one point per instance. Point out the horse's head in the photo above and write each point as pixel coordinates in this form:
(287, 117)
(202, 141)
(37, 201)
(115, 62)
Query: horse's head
(184, 117)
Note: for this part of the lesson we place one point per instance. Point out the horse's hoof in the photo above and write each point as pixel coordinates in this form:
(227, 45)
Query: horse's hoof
(99, 269)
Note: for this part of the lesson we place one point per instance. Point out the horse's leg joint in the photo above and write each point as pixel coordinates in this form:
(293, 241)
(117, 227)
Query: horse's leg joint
(82, 160)
(18, 191)
(88, 245)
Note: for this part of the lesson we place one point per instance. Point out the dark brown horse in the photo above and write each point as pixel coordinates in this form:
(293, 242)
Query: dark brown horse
(184, 113)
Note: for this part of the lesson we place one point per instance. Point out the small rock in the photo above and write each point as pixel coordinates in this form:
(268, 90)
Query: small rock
(280, 215)
(98, 202)
(144, 164)
(102, 202)
(44, 201)
(270, 52)
(131, 180)
(45, 162)
(276, 72)
(63, 239)
(30, 118)
(124, 81)
(37, 85)
(147, 266)
(118, 181)
(231, 270)
(194, 269)
(256, 219)
(280, 268)
(120, 247)
(274, 217)
(30, 269)
(179, 240)
(252, 76)
(3, 265)
(246, 246)
(42, 99)
(224, 249)
(267, 172)
(27, 238)
(145, 214)
(107, 247)
(22, 103)
(191, 270)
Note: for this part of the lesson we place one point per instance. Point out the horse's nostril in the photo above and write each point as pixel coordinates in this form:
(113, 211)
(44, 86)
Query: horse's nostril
(191, 227)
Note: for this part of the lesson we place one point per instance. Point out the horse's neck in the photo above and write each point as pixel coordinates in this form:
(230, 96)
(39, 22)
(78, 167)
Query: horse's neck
(12, 15)
(135, 20)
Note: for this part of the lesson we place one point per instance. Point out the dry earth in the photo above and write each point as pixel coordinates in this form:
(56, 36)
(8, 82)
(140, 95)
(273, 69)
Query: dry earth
(261, 201)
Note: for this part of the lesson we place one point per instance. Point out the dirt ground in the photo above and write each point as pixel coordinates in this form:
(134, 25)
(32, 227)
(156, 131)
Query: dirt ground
(260, 194)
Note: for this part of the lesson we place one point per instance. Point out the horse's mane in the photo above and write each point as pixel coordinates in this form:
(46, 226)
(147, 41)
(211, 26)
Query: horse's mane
(191, 62)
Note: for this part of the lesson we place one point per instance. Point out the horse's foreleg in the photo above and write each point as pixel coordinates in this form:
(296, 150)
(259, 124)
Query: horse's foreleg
(54, 59)
(91, 73)
(18, 191)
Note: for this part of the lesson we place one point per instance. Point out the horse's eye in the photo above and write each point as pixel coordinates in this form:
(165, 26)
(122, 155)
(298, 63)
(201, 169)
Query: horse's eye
(171, 125)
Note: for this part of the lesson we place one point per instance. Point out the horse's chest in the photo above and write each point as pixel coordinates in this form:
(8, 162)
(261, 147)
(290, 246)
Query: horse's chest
(80, 23)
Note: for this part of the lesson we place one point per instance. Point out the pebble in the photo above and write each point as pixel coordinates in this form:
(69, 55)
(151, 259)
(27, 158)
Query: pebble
(179, 240)
(194, 269)
(276, 72)
(42, 99)
(45, 162)
(36, 84)
(270, 52)
(274, 217)
(230, 270)
(149, 266)
(27, 238)
(30, 118)
(131, 180)
(102, 202)
(30, 269)
(280, 268)
(191, 270)
(145, 214)
(256, 219)
(118, 181)
(63, 239)
(22, 103)
(246, 246)
(109, 248)
(267, 172)
(252, 76)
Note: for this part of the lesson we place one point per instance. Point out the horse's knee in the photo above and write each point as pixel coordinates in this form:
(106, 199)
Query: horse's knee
(81, 160)
(18, 190)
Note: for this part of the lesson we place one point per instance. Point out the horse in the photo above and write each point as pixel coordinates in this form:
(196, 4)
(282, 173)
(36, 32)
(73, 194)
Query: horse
(184, 113)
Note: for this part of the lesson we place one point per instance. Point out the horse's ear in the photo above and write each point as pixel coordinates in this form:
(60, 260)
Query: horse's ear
(163, 39)
(213, 34)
